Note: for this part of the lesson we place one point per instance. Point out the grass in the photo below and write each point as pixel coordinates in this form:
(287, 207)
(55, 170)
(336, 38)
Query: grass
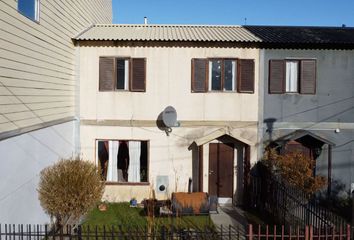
(120, 214)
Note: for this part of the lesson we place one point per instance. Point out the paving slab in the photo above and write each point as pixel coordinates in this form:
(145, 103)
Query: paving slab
(230, 215)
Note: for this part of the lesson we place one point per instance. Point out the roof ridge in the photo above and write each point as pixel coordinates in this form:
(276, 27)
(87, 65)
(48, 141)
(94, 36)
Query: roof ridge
(163, 25)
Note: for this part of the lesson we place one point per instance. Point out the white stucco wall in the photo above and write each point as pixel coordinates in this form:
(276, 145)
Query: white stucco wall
(168, 82)
(104, 115)
(22, 159)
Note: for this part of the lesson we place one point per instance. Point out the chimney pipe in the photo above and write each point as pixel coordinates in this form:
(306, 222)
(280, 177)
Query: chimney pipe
(145, 20)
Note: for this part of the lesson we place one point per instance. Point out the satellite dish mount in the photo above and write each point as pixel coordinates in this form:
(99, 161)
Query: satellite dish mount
(169, 119)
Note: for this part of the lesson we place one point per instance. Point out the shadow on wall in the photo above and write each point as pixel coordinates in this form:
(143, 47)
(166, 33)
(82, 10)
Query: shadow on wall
(270, 126)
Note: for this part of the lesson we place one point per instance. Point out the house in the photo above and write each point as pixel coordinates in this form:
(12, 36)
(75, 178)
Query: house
(205, 76)
(306, 97)
(38, 94)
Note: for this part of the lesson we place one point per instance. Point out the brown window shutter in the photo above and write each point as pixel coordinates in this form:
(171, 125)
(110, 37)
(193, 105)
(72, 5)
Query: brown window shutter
(199, 75)
(308, 77)
(138, 75)
(106, 74)
(246, 76)
(276, 76)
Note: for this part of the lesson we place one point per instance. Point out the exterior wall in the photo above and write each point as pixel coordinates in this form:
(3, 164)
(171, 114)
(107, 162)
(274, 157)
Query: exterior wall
(37, 92)
(132, 115)
(37, 60)
(22, 158)
(330, 108)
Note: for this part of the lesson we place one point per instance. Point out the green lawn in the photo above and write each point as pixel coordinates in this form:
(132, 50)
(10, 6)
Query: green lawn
(120, 214)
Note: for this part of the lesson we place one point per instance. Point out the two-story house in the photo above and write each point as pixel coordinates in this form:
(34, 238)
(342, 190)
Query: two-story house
(307, 96)
(38, 92)
(129, 74)
(235, 90)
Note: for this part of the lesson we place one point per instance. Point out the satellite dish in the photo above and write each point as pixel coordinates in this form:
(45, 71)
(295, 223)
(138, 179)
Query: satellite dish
(169, 117)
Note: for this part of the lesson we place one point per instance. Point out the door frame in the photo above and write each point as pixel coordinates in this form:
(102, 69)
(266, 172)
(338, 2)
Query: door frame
(230, 144)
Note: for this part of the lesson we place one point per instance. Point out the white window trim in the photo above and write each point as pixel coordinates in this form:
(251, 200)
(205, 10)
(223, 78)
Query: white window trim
(291, 81)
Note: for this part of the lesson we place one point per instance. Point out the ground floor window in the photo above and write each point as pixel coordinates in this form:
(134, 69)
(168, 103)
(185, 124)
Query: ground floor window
(123, 160)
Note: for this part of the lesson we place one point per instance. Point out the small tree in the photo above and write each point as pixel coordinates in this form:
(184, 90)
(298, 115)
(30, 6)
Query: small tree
(69, 188)
(296, 169)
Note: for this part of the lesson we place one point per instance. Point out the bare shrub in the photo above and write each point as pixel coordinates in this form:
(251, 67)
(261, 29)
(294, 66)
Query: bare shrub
(69, 188)
(296, 169)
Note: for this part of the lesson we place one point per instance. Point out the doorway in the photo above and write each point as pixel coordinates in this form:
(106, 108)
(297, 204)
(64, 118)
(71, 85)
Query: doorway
(221, 170)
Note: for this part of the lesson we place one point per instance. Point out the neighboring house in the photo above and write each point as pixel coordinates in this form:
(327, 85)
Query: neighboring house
(38, 94)
(130, 73)
(307, 96)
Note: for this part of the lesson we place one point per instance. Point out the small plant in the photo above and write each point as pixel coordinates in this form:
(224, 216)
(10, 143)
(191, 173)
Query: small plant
(69, 188)
(133, 202)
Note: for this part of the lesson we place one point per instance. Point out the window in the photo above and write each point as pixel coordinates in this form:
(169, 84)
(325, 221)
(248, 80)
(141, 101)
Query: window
(122, 74)
(292, 76)
(123, 161)
(29, 8)
(227, 75)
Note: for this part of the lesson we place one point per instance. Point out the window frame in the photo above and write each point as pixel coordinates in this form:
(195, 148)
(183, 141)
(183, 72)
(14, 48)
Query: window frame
(209, 76)
(37, 4)
(125, 183)
(299, 77)
(130, 74)
(116, 74)
(241, 79)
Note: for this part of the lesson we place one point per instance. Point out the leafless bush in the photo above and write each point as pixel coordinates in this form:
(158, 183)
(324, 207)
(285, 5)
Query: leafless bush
(69, 188)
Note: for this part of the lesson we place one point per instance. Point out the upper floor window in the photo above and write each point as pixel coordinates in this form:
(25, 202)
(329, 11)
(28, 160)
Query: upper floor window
(292, 76)
(221, 74)
(117, 73)
(123, 161)
(29, 8)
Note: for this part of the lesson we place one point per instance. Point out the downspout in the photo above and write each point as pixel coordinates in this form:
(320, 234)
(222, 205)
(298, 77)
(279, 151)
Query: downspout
(77, 146)
(261, 92)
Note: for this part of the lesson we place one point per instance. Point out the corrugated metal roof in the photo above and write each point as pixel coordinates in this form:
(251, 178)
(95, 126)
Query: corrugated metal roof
(303, 35)
(152, 32)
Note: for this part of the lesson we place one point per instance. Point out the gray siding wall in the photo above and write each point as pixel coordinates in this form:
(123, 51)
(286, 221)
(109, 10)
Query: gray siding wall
(38, 77)
(331, 107)
(37, 60)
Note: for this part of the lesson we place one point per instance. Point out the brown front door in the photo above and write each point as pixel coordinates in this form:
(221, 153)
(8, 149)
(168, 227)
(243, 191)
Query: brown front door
(221, 169)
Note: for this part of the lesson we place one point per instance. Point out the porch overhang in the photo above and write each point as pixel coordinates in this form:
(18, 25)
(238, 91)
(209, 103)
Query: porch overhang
(218, 133)
(301, 133)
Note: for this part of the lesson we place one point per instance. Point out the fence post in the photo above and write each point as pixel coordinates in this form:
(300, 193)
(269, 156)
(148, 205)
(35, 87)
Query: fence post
(163, 234)
(348, 232)
(250, 232)
(306, 232)
(79, 232)
(311, 232)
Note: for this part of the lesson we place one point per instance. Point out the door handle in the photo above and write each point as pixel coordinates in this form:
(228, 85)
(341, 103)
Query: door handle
(210, 172)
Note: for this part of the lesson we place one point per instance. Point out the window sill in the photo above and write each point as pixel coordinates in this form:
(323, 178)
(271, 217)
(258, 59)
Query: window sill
(127, 183)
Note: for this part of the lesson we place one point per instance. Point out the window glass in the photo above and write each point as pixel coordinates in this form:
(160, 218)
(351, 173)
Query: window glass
(123, 161)
(215, 74)
(29, 8)
(291, 80)
(229, 75)
(122, 74)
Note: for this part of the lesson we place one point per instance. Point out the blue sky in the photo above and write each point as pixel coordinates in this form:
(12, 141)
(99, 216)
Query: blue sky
(234, 12)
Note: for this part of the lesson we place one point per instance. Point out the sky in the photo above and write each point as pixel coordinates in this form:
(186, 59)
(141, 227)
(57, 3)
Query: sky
(236, 12)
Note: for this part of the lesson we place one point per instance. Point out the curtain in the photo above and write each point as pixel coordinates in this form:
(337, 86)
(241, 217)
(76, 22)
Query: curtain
(134, 161)
(291, 76)
(112, 174)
